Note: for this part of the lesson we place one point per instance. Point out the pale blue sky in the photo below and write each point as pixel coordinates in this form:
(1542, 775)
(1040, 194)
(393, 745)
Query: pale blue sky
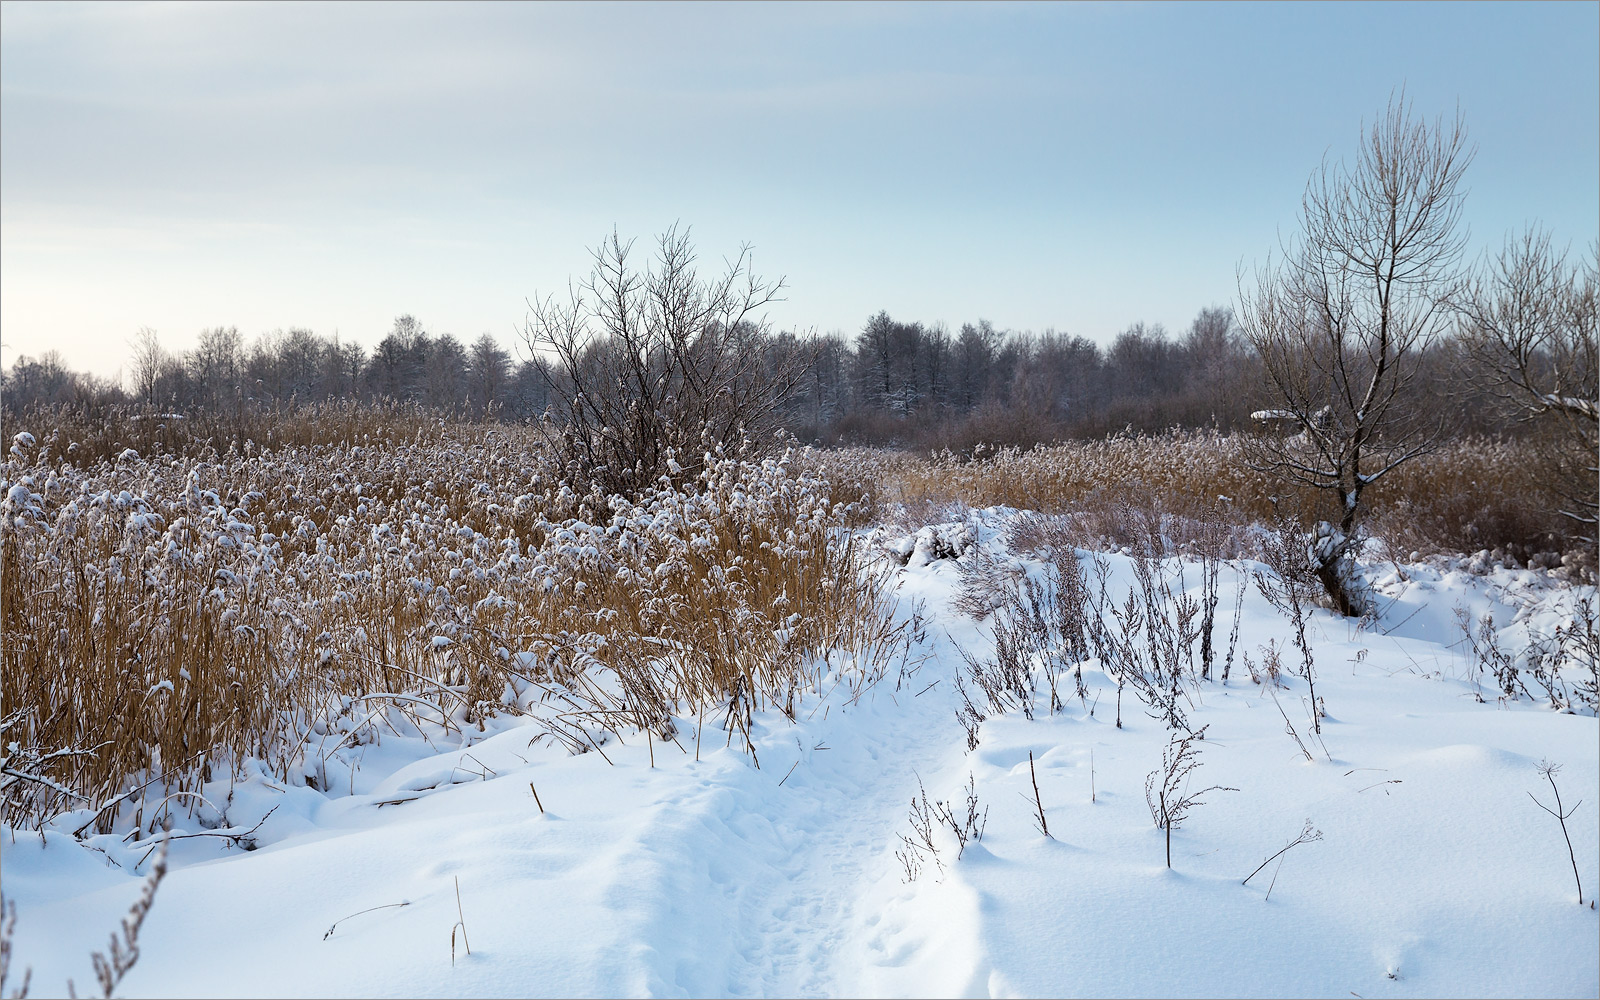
(180, 166)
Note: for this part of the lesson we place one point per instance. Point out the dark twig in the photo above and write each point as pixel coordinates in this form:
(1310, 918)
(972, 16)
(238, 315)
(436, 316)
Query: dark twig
(1038, 803)
(1308, 834)
(233, 835)
(386, 906)
(1549, 771)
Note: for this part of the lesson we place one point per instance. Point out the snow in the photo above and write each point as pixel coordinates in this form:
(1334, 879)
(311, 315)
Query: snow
(647, 871)
(1574, 404)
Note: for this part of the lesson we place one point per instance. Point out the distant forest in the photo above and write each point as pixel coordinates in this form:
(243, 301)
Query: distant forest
(896, 382)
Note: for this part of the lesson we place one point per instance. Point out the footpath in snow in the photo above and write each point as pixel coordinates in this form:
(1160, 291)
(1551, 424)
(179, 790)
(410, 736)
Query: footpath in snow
(641, 870)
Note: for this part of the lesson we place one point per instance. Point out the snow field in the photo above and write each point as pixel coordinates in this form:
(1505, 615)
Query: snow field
(1435, 874)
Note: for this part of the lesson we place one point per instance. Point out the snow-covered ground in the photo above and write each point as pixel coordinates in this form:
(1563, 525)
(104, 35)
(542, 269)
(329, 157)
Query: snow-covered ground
(682, 868)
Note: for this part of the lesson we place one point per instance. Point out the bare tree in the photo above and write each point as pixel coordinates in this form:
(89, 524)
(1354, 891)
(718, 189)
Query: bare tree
(655, 367)
(1339, 323)
(488, 371)
(215, 364)
(148, 359)
(1529, 337)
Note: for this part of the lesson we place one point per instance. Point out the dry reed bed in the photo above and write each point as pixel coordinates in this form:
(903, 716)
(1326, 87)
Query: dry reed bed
(180, 616)
(88, 432)
(1468, 495)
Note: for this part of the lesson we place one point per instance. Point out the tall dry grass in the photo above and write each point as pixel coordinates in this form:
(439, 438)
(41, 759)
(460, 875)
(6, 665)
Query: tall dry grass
(175, 613)
(87, 432)
(1467, 495)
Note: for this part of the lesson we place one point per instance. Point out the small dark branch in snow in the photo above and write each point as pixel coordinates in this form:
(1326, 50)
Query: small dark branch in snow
(1038, 803)
(370, 909)
(237, 836)
(1549, 771)
(1308, 834)
(1288, 726)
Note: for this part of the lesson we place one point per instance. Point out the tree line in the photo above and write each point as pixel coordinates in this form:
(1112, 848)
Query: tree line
(896, 382)
(408, 365)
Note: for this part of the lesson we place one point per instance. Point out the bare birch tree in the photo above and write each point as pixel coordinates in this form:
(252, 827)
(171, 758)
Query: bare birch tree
(1529, 336)
(1340, 321)
(655, 367)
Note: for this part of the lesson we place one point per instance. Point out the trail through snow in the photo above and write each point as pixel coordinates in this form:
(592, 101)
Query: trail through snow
(714, 877)
(709, 877)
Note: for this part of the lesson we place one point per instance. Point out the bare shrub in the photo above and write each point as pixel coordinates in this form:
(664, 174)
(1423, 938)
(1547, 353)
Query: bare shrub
(1166, 789)
(658, 367)
(968, 714)
(919, 848)
(1151, 643)
(988, 583)
(1291, 589)
(967, 826)
(1484, 641)
(1561, 664)
(927, 815)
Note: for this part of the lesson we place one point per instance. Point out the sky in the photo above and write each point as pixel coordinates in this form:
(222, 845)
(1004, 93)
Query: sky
(180, 166)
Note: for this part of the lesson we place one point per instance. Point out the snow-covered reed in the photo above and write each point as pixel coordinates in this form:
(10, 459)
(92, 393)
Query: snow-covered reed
(168, 618)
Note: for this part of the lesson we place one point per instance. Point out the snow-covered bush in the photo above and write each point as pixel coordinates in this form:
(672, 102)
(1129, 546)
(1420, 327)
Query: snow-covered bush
(1550, 651)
